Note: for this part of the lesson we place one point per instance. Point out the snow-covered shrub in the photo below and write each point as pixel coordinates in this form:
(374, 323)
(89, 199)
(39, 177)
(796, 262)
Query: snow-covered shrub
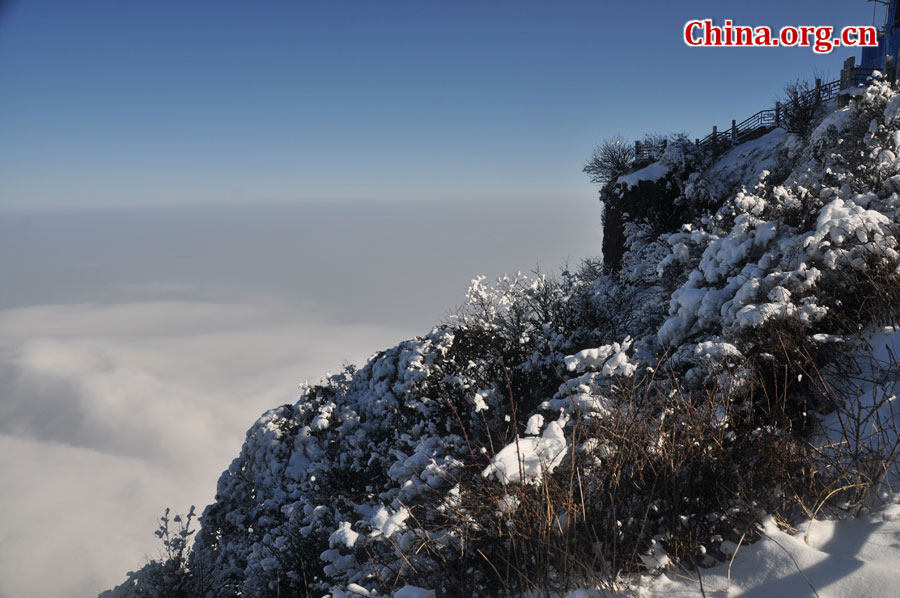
(761, 261)
(683, 156)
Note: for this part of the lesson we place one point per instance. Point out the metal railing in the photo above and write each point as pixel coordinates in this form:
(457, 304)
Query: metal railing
(764, 120)
(645, 152)
(743, 131)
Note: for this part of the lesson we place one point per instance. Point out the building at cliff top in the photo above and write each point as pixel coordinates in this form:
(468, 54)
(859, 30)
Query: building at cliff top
(885, 54)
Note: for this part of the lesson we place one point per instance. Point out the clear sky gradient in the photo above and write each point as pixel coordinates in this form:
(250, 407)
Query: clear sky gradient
(156, 103)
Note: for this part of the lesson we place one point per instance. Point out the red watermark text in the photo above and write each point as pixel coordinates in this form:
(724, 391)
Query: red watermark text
(822, 38)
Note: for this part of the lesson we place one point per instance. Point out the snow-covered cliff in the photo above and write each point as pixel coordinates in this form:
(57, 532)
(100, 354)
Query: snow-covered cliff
(561, 432)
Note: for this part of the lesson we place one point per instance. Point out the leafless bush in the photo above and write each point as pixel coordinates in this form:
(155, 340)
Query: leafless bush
(176, 574)
(859, 443)
(802, 108)
(609, 160)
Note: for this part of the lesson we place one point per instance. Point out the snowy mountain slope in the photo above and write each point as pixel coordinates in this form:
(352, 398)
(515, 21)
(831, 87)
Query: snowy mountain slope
(839, 555)
(565, 433)
(828, 559)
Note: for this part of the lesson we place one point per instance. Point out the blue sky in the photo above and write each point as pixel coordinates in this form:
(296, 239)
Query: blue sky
(170, 103)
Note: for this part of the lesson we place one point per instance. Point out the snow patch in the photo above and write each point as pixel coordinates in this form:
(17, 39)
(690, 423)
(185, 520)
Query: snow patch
(531, 457)
(653, 172)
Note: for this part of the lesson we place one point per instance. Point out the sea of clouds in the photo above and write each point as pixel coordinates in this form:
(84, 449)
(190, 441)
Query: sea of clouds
(137, 346)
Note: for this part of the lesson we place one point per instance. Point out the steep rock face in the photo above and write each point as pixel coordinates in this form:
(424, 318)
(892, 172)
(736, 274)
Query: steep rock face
(398, 475)
(654, 202)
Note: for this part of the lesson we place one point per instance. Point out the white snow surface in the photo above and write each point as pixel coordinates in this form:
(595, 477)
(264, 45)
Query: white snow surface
(742, 165)
(651, 172)
(343, 536)
(385, 523)
(612, 359)
(530, 457)
(409, 591)
(833, 558)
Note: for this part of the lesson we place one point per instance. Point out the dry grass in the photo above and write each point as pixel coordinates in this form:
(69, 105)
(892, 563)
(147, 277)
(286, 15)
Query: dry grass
(665, 471)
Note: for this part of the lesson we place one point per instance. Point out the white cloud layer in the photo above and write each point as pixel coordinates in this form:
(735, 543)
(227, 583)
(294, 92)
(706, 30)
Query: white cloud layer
(110, 413)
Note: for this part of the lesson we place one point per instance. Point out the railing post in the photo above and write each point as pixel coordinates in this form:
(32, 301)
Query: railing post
(734, 135)
(637, 149)
(715, 139)
(777, 113)
(889, 68)
(696, 141)
(818, 90)
(847, 79)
